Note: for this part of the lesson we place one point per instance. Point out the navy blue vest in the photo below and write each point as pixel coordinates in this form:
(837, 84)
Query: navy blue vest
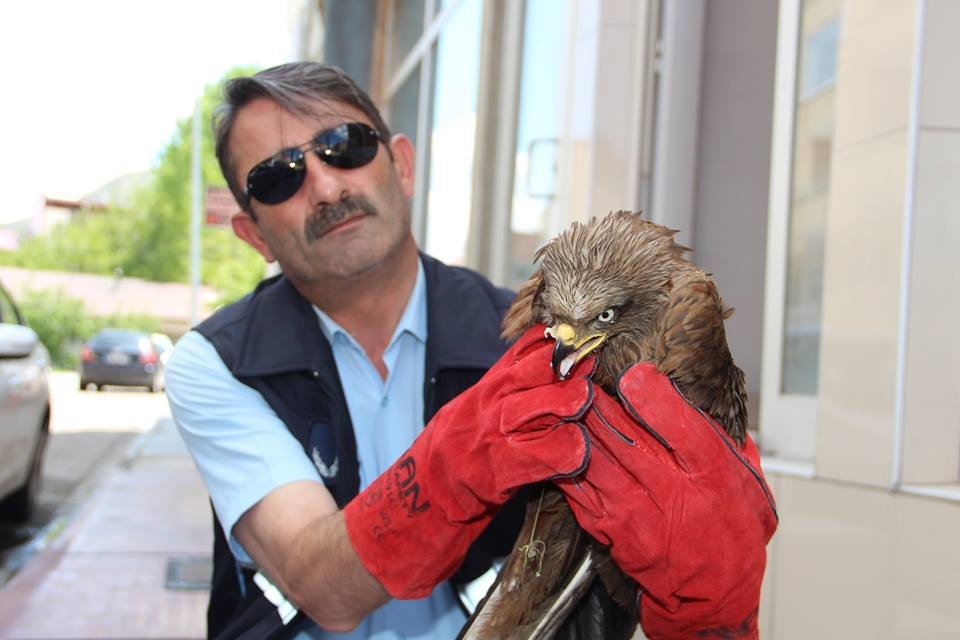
(271, 340)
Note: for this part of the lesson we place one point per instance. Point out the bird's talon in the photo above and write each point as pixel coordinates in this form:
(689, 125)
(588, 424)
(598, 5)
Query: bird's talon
(534, 551)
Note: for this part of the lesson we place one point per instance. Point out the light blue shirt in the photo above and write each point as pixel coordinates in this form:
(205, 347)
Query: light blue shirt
(244, 451)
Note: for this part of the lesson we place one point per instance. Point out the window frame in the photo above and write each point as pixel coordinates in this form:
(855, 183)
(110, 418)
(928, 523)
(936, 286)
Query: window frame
(420, 59)
(788, 422)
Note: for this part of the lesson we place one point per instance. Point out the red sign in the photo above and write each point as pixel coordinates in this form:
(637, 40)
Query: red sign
(220, 206)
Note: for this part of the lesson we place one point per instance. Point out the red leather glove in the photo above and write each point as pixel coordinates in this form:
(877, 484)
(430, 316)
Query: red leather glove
(685, 511)
(413, 525)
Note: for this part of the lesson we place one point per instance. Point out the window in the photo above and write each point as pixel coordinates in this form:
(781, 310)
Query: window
(800, 186)
(809, 189)
(432, 74)
(402, 110)
(402, 65)
(819, 66)
(533, 212)
(453, 133)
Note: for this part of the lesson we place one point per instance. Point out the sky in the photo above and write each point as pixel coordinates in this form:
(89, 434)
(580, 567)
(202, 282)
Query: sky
(92, 90)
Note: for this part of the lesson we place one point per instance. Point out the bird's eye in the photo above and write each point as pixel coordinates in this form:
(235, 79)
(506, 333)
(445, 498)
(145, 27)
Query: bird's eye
(608, 316)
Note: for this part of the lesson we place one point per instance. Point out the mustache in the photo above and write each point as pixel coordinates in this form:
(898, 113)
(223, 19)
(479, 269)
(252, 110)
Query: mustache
(328, 215)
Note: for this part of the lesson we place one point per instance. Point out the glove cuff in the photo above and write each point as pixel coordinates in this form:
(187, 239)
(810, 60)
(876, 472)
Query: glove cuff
(405, 541)
(690, 622)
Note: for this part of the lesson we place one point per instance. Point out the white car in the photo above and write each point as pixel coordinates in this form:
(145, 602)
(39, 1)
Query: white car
(24, 411)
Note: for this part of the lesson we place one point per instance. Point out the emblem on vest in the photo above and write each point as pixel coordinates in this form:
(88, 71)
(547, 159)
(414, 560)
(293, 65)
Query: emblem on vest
(326, 472)
(322, 447)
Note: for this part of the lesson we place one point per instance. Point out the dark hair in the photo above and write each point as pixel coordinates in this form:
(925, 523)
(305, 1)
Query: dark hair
(293, 86)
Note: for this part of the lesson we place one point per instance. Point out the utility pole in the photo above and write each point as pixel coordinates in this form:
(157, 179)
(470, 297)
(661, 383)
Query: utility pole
(195, 219)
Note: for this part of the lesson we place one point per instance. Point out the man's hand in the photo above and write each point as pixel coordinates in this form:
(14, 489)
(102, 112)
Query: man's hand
(685, 511)
(413, 525)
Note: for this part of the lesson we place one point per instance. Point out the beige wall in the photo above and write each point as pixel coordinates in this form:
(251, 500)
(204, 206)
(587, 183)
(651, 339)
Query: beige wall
(932, 403)
(858, 554)
(851, 562)
(893, 190)
(864, 236)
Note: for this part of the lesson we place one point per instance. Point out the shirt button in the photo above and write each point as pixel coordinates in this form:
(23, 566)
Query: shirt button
(385, 401)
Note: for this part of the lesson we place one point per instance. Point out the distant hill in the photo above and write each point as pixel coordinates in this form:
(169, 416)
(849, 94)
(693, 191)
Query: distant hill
(119, 191)
(18, 227)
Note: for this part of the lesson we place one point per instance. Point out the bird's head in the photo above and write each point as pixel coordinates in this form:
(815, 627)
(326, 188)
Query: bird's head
(572, 345)
(599, 289)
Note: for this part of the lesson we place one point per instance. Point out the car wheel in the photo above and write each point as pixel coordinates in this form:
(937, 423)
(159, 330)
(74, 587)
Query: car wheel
(19, 506)
(83, 384)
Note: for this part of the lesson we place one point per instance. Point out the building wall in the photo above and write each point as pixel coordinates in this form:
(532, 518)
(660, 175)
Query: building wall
(855, 562)
(733, 166)
(932, 412)
(864, 241)
(866, 546)
(348, 44)
(868, 516)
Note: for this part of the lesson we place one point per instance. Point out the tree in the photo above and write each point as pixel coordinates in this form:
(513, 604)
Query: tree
(151, 238)
(228, 264)
(92, 242)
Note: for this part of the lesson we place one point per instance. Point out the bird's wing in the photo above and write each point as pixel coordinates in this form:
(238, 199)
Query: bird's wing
(691, 348)
(524, 311)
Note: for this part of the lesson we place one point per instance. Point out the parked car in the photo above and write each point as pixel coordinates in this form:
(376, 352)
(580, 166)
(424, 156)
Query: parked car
(24, 411)
(124, 357)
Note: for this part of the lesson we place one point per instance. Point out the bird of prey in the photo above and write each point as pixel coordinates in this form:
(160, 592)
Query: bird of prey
(621, 288)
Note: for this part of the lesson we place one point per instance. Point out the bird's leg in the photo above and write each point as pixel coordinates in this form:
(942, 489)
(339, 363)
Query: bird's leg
(515, 606)
(535, 549)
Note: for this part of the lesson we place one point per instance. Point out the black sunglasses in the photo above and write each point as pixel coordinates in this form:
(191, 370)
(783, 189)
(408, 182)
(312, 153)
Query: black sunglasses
(346, 146)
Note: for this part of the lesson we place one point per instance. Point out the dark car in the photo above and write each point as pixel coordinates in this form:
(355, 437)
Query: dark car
(124, 357)
(24, 411)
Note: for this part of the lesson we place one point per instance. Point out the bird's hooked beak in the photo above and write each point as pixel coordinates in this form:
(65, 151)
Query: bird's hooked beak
(570, 348)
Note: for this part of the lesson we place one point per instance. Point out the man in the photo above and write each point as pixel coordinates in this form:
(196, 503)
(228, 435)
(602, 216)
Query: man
(301, 394)
(304, 406)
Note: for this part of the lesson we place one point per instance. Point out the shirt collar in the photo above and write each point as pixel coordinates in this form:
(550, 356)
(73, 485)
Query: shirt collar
(413, 320)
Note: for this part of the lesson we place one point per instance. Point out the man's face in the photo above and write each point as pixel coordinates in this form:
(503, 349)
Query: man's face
(341, 222)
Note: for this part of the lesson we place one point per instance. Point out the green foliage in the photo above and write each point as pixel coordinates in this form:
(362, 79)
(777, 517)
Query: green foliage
(229, 265)
(151, 240)
(164, 209)
(94, 242)
(63, 323)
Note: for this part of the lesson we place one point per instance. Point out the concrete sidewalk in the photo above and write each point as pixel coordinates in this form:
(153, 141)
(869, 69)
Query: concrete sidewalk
(105, 575)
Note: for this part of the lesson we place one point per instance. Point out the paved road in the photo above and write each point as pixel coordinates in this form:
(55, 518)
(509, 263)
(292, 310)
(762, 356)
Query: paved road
(89, 431)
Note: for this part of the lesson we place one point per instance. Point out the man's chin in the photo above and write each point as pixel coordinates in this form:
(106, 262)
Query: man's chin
(343, 265)
(348, 255)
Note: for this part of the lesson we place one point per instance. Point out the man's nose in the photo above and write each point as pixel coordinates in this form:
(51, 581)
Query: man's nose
(323, 183)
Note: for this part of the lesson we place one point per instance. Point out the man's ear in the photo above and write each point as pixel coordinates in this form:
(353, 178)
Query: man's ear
(403, 162)
(247, 230)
